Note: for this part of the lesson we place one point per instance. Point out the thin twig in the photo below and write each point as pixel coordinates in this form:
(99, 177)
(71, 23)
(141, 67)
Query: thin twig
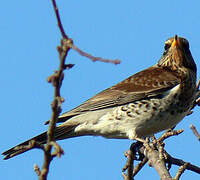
(180, 162)
(129, 165)
(82, 53)
(180, 171)
(93, 58)
(194, 130)
(56, 80)
(169, 134)
(59, 20)
(139, 166)
(58, 150)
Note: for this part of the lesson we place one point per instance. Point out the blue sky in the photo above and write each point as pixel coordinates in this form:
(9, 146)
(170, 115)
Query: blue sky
(133, 31)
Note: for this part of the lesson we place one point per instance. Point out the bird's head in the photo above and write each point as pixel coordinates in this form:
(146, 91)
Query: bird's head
(177, 55)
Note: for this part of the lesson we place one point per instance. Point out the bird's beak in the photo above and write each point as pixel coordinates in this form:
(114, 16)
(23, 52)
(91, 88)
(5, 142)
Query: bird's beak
(175, 42)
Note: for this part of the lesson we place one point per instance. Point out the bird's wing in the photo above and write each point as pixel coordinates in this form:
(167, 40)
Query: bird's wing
(150, 82)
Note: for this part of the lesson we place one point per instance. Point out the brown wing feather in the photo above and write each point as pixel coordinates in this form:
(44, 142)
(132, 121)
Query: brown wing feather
(149, 82)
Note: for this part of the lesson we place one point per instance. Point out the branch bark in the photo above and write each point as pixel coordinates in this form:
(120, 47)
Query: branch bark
(157, 157)
(56, 80)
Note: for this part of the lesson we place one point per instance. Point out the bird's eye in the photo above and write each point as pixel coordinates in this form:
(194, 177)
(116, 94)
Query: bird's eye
(167, 46)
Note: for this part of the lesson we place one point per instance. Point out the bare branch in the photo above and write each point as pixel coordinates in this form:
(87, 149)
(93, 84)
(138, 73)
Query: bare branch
(180, 171)
(58, 150)
(194, 130)
(139, 166)
(59, 20)
(129, 165)
(180, 162)
(157, 157)
(72, 46)
(169, 134)
(154, 160)
(56, 80)
(93, 58)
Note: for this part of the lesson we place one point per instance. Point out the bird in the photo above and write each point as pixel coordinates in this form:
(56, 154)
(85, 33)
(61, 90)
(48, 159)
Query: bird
(148, 102)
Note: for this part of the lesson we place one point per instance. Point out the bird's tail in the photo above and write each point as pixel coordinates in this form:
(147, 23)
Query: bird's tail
(60, 132)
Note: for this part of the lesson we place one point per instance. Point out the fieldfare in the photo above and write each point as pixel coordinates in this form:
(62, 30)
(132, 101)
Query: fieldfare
(148, 102)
